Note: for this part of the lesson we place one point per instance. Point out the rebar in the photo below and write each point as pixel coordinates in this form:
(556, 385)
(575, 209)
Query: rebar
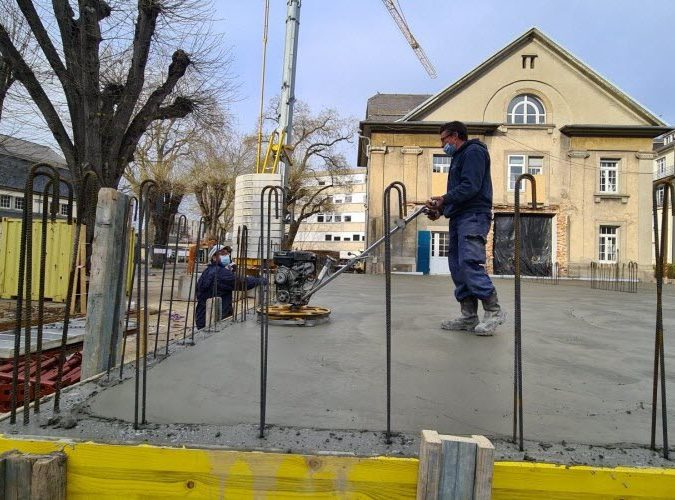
(193, 284)
(135, 263)
(518, 358)
(86, 200)
(399, 187)
(181, 218)
(265, 288)
(660, 250)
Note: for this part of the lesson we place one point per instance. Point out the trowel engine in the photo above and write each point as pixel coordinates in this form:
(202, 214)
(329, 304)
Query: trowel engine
(295, 276)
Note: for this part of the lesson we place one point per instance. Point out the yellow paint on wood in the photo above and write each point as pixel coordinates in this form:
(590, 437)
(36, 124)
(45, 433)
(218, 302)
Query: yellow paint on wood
(105, 471)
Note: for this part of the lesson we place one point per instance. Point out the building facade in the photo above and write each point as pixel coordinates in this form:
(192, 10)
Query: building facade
(664, 170)
(540, 111)
(343, 229)
(17, 157)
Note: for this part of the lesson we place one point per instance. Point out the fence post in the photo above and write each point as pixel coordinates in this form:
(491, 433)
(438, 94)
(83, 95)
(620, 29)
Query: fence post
(105, 310)
(453, 467)
(39, 477)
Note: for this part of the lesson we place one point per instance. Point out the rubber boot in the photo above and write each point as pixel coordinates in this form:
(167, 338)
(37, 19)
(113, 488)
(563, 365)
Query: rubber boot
(469, 318)
(494, 316)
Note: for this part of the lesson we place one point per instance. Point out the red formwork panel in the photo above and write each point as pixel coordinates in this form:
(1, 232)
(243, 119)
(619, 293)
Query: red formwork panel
(49, 372)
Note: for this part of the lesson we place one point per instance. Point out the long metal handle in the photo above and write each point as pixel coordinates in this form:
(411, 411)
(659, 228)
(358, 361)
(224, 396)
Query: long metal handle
(421, 210)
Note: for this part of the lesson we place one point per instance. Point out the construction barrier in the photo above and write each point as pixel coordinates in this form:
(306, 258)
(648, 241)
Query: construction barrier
(141, 471)
(59, 255)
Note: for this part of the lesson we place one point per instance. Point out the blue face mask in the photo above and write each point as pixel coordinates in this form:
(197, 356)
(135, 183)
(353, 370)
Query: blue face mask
(225, 260)
(449, 149)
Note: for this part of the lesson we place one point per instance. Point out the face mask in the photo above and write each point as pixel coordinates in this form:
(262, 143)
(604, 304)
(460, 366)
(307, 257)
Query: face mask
(449, 149)
(224, 260)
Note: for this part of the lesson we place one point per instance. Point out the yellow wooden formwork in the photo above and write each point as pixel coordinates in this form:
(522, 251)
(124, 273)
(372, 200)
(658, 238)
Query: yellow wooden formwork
(59, 255)
(106, 471)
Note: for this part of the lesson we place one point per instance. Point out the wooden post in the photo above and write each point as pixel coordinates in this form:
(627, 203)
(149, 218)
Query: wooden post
(214, 308)
(105, 309)
(453, 467)
(34, 477)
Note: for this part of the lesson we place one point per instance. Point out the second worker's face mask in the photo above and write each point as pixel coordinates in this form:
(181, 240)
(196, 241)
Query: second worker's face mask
(449, 149)
(225, 260)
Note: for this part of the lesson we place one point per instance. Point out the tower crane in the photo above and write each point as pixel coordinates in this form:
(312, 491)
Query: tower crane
(403, 26)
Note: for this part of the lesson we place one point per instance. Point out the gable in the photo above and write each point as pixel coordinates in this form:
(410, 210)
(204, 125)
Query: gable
(571, 91)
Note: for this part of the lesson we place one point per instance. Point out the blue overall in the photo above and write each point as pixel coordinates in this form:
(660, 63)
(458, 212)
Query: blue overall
(468, 205)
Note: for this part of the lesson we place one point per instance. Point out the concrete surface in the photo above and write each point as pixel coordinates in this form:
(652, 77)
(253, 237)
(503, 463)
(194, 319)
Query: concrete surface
(587, 358)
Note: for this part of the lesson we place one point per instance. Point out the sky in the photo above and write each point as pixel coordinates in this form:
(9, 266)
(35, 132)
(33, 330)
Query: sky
(349, 50)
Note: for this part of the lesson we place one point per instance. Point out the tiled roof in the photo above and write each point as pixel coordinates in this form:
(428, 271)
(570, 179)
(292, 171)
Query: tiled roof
(391, 107)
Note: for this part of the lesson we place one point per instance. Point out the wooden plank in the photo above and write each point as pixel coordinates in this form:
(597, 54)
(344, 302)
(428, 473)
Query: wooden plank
(17, 477)
(104, 471)
(105, 301)
(485, 455)
(48, 480)
(458, 468)
(429, 472)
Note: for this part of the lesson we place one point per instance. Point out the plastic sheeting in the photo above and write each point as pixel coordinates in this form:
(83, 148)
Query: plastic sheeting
(535, 245)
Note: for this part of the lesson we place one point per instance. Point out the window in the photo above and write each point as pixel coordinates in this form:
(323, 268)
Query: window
(64, 209)
(337, 199)
(322, 183)
(337, 218)
(5, 201)
(319, 217)
(336, 238)
(659, 196)
(441, 164)
(347, 218)
(356, 237)
(608, 176)
(19, 203)
(516, 164)
(535, 165)
(329, 217)
(668, 139)
(526, 109)
(439, 244)
(346, 238)
(607, 250)
(328, 237)
(661, 166)
(348, 198)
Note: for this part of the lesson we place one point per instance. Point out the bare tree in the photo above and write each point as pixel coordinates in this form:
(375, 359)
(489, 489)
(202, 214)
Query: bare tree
(315, 151)
(216, 166)
(100, 52)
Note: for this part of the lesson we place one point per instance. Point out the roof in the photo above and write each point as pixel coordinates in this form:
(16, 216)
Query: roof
(16, 159)
(31, 151)
(391, 107)
(532, 34)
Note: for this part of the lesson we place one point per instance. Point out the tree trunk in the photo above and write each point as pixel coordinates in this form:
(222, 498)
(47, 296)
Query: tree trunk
(289, 237)
(163, 210)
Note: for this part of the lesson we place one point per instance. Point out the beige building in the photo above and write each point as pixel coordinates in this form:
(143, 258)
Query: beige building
(343, 229)
(539, 110)
(664, 169)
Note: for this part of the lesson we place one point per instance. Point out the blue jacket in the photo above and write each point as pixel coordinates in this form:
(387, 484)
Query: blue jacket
(469, 182)
(217, 281)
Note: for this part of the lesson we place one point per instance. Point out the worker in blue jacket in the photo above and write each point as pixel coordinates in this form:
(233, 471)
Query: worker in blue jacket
(218, 280)
(468, 205)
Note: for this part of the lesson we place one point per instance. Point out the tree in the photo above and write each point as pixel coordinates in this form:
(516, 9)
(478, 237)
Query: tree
(216, 165)
(315, 151)
(109, 102)
(161, 156)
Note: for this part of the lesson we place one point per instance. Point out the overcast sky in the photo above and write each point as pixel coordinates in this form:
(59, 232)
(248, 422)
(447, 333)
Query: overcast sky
(351, 49)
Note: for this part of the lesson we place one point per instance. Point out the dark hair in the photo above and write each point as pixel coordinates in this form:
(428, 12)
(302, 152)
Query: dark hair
(459, 127)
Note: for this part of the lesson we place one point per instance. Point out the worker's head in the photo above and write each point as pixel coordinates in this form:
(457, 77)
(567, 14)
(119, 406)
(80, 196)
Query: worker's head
(219, 254)
(453, 135)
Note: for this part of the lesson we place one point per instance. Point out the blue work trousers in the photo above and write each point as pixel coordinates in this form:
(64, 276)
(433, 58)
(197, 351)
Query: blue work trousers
(466, 255)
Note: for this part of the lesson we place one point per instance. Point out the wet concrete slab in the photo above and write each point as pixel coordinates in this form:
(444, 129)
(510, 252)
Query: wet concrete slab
(587, 357)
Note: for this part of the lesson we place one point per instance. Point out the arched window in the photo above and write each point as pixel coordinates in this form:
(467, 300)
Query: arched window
(526, 109)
